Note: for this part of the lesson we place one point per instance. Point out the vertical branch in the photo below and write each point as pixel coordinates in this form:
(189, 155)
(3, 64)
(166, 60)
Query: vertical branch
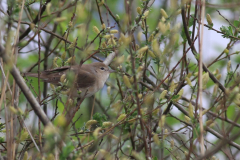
(9, 147)
(8, 115)
(39, 63)
(15, 93)
(45, 64)
(138, 102)
(200, 78)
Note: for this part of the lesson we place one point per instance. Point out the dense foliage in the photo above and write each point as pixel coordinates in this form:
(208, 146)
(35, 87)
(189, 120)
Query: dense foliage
(172, 96)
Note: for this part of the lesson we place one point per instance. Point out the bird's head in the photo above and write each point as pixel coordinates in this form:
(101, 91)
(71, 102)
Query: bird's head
(101, 68)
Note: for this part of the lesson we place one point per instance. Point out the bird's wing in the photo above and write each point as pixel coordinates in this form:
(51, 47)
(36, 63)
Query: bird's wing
(85, 79)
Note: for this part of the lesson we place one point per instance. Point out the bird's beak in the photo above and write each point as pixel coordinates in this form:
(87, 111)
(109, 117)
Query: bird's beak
(111, 71)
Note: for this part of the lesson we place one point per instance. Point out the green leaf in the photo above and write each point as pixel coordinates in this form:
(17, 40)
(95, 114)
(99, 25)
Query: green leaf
(1, 126)
(175, 97)
(236, 23)
(66, 151)
(100, 118)
(227, 31)
(1, 139)
(190, 23)
(230, 30)
(231, 110)
(237, 59)
(196, 132)
(171, 121)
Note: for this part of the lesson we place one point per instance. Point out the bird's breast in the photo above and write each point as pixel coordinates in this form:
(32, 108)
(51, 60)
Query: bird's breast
(102, 79)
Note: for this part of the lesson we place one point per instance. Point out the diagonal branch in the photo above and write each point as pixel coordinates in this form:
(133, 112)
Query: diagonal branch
(26, 91)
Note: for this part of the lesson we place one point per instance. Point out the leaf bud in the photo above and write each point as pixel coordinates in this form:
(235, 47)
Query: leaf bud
(55, 62)
(96, 132)
(237, 99)
(140, 96)
(150, 53)
(229, 66)
(108, 36)
(104, 45)
(139, 10)
(205, 79)
(151, 38)
(209, 20)
(63, 56)
(172, 143)
(132, 80)
(162, 121)
(172, 87)
(164, 14)
(219, 77)
(143, 49)
(149, 99)
(62, 78)
(215, 89)
(48, 7)
(90, 123)
(145, 14)
(96, 30)
(114, 31)
(127, 81)
(190, 110)
(103, 26)
(25, 157)
(226, 51)
(117, 17)
(187, 119)
(156, 139)
(121, 117)
(61, 120)
(209, 122)
(109, 90)
(23, 136)
(180, 93)
(165, 133)
(163, 94)
(188, 81)
(162, 27)
(13, 110)
(52, 86)
(107, 124)
(59, 19)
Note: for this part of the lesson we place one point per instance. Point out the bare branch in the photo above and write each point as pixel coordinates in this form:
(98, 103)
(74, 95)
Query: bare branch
(26, 91)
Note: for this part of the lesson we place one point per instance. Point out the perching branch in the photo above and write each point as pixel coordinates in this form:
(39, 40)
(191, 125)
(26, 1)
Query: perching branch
(109, 58)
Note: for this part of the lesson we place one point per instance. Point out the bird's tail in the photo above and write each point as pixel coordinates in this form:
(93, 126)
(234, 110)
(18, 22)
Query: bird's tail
(29, 74)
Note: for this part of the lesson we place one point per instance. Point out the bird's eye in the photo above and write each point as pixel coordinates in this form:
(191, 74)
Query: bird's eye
(102, 68)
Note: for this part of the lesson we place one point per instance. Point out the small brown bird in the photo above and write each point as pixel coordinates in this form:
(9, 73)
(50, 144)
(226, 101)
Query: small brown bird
(90, 78)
